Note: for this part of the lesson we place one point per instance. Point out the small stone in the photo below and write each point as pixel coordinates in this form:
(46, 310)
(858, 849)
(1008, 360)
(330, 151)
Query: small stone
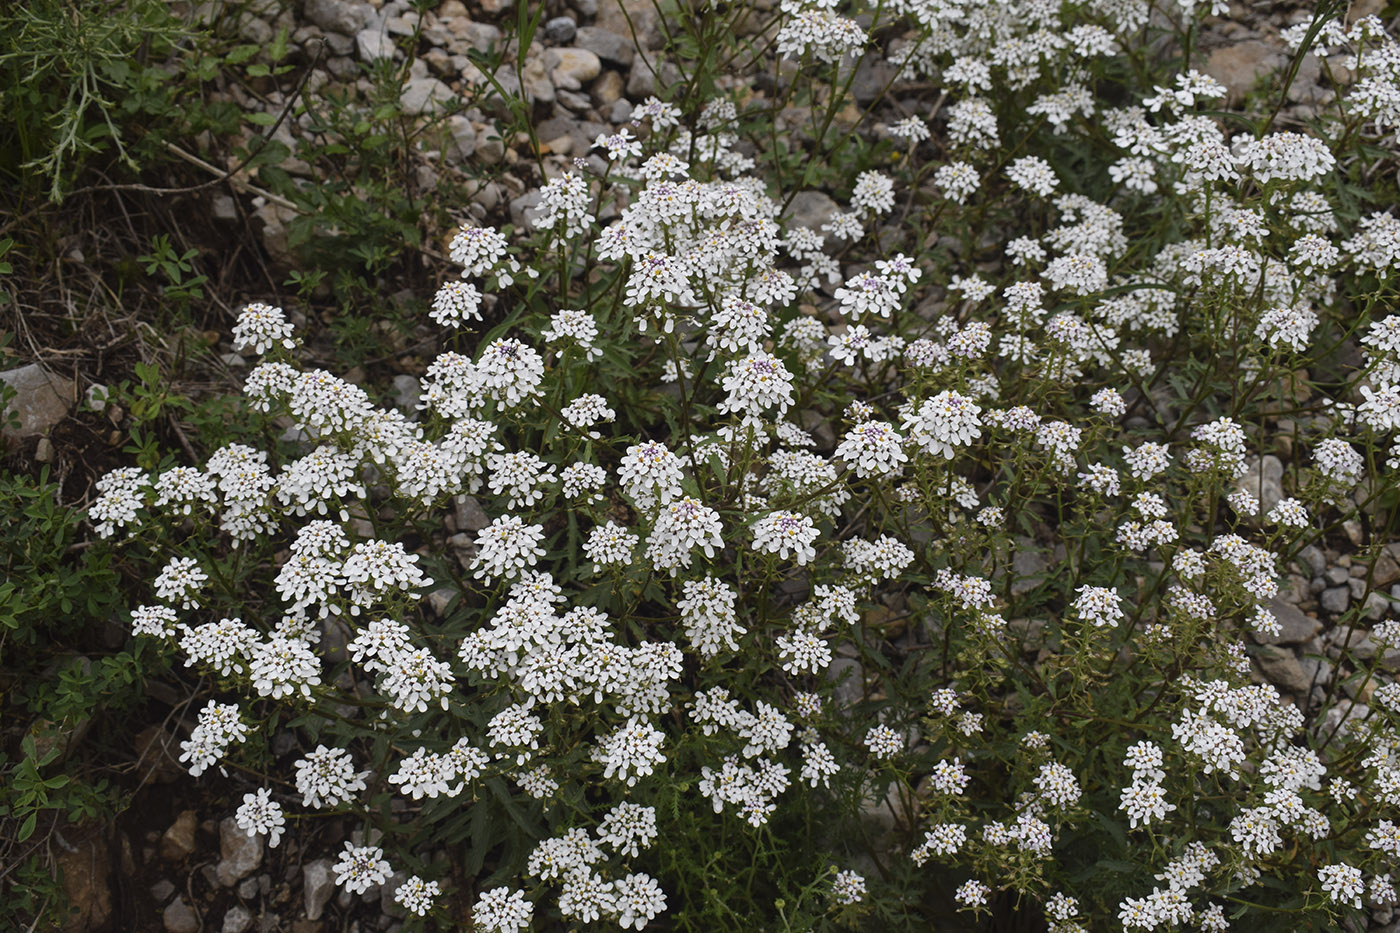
(535, 82)
(560, 145)
(872, 77)
(608, 46)
(1335, 599)
(463, 139)
(480, 36)
(572, 100)
(1337, 575)
(407, 391)
(161, 890)
(241, 853)
(179, 918)
(336, 15)
(318, 884)
(1376, 607)
(641, 82)
(372, 45)
(43, 451)
(253, 30)
(607, 90)
(576, 68)
(524, 210)
(1295, 628)
(424, 95)
(440, 63)
(248, 887)
(452, 9)
(404, 25)
(1240, 65)
(387, 905)
(178, 842)
(224, 209)
(588, 8)
(41, 401)
(620, 111)
(1281, 667)
(810, 209)
(560, 30)
(1387, 569)
(237, 920)
(497, 7)
(1264, 481)
(469, 513)
(490, 148)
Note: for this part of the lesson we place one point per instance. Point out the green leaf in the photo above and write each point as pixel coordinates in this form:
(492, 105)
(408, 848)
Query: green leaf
(262, 118)
(240, 54)
(27, 829)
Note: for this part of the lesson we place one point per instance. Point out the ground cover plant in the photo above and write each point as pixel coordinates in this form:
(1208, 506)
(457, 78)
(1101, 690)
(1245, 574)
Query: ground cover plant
(872, 488)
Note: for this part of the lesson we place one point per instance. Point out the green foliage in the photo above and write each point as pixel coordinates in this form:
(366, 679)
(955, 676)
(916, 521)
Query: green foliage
(74, 75)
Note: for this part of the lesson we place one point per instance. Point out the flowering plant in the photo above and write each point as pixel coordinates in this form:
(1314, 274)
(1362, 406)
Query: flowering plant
(732, 552)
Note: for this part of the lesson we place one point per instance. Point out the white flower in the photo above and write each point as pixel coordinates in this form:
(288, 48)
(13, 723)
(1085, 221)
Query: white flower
(883, 741)
(260, 326)
(501, 910)
(848, 887)
(1342, 882)
(361, 868)
(260, 815)
(944, 422)
(416, 895)
(631, 751)
(506, 547)
(783, 532)
(639, 900)
(972, 894)
(327, 777)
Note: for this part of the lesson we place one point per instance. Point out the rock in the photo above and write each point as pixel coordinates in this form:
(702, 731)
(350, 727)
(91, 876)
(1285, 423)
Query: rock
(1387, 570)
(1296, 628)
(523, 212)
(452, 9)
(1028, 564)
(318, 884)
(1376, 607)
(576, 68)
(372, 45)
(241, 853)
(560, 30)
(588, 8)
(42, 399)
(607, 90)
(387, 905)
(463, 139)
(424, 95)
(439, 63)
(161, 890)
(404, 25)
(1337, 575)
(84, 864)
(237, 920)
(535, 82)
(407, 391)
(620, 111)
(490, 148)
(178, 917)
(497, 7)
(480, 36)
(642, 80)
(1281, 667)
(469, 514)
(631, 18)
(1335, 599)
(1263, 481)
(608, 46)
(274, 219)
(157, 755)
(178, 841)
(337, 15)
(253, 30)
(810, 209)
(872, 77)
(1240, 65)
